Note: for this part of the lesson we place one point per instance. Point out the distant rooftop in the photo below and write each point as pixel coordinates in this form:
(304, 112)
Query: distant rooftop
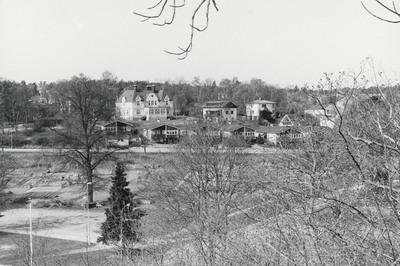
(259, 101)
(219, 104)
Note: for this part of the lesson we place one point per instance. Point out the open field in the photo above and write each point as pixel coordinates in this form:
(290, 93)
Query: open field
(51, 251)
(58, 193)
(14, 250)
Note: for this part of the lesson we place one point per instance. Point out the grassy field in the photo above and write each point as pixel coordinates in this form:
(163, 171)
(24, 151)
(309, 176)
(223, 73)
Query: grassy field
(37, 170)
(15, 248)
(64, 221)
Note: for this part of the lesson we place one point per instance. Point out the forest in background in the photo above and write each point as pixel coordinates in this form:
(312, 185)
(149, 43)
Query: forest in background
(26, 103)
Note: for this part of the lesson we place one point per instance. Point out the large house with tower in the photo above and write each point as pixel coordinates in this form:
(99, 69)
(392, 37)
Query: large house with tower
(147, 104)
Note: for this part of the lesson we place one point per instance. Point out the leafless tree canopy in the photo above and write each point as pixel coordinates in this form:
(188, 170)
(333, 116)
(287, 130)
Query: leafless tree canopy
(390, 9)
(7, 166)
(162, 12)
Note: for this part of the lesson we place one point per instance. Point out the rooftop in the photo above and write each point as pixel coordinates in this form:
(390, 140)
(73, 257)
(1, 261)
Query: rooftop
(220, 104)
(259, 101)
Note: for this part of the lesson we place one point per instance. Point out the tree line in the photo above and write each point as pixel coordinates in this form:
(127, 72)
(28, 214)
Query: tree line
(22, 103)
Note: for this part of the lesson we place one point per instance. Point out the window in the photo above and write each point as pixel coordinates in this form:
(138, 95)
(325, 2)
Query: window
(138, 100)
(162, 111)
(231, 112)
(296, 136)
(227, 112)
(138, 112)
(172, 132)
(157, 112)
(152, 111)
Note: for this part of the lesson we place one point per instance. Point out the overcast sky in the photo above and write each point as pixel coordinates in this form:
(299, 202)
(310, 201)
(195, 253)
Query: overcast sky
(283, 42)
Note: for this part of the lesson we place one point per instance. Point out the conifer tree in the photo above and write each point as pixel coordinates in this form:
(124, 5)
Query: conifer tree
(123, 215)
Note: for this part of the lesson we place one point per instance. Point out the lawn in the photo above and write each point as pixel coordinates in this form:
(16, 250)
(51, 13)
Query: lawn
(14, 248)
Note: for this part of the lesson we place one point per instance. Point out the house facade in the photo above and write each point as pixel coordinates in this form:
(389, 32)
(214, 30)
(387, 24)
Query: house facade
(220, 111)
(243, 131)
(148, 104)
(164, 132)
(254, 108)
(119, 126)
(327, 116)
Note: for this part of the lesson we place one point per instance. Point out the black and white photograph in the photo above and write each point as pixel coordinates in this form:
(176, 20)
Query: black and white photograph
(199, 133)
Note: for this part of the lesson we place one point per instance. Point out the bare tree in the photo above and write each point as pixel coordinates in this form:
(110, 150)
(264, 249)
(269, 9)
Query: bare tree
(393, 16)
(197, 189)
(346, 183)
(7, 166)
(168, 9)
(84, 103)
(335, 199)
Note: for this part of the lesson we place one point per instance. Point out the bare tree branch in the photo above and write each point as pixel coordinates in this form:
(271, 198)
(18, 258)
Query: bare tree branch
(392, 10)
(164, 5)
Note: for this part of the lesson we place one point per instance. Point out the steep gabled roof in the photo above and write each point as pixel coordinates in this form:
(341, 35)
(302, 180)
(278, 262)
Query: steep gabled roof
(155, 124)
(286, 122)
(219, 104)
(232, 128)
(122, 122)
(131, 95)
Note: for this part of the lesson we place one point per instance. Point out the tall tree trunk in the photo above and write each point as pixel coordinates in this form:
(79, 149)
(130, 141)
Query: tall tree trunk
(89, 174)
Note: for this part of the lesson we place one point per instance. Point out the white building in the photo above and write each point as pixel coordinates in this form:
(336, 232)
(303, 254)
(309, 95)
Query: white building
(149, 104)
(220, 110)
(254, 108)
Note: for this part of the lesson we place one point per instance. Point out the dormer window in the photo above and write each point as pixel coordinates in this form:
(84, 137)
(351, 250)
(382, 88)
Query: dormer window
(151, 99)
(138, 100)
(166, 99)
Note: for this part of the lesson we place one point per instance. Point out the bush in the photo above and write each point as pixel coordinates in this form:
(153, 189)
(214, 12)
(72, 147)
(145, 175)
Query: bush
(28, 132)
(260, 140)
(42, 141)
(19, 141)
(42, 204)
(62, 203)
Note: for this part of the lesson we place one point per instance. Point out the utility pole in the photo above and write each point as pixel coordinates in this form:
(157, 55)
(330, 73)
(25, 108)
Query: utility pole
(88, 215)
(30, 231)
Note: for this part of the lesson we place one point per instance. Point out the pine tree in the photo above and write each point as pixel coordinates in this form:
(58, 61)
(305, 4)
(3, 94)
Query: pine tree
(123, 215)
